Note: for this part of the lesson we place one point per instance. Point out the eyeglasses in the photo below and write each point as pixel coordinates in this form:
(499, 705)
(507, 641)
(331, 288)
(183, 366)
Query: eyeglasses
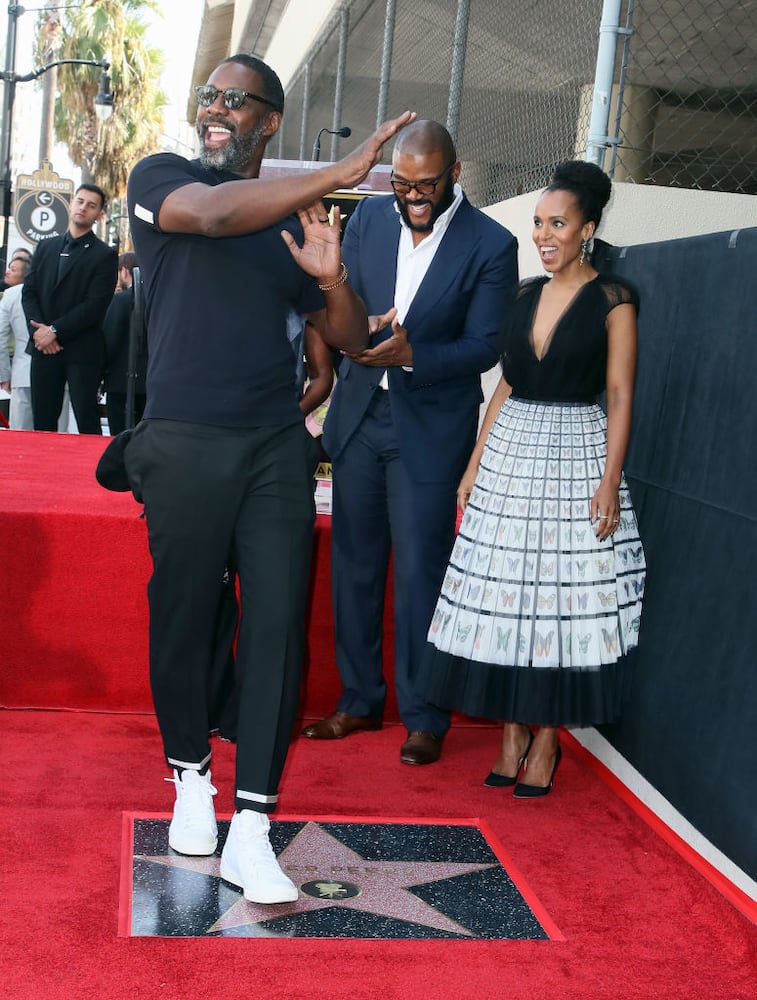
(425, 187)
(233, 97)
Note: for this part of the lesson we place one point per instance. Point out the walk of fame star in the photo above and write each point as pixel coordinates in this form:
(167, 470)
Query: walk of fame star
(369, 879)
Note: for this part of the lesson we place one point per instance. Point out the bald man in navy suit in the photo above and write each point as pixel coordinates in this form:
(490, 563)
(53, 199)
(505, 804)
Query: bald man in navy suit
(436, 275)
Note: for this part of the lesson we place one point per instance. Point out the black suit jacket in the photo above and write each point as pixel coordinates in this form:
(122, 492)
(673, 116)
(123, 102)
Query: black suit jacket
(75, 305)
(117, 329)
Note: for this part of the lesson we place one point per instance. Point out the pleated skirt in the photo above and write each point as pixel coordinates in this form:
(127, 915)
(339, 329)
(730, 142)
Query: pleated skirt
(536, 616)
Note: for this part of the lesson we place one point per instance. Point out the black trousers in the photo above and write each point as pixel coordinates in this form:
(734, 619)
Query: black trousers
(49, 374)
(115, 408)
(214, 498)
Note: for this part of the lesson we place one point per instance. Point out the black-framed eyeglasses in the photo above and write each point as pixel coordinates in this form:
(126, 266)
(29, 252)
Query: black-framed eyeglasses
(233, 97)
(424, 187)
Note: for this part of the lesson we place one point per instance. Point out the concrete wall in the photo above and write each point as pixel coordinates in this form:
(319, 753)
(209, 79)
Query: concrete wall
(300, 25)
(638, 213)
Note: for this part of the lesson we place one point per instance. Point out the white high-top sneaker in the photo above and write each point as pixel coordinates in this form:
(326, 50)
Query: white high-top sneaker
(248, 860)
(193, 828)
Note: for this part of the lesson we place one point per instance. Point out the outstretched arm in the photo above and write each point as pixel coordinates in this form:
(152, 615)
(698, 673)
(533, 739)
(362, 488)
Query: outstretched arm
(245, 206)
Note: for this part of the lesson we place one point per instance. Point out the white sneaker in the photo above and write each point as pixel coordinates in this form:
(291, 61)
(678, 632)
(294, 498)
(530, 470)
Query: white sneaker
(248, 860)
(193, 828)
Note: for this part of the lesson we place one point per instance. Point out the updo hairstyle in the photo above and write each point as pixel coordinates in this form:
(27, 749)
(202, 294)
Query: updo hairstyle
(588, 183)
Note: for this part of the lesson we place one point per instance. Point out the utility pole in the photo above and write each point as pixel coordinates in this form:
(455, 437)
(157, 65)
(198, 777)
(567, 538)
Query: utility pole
(9, 96)
(103, 104)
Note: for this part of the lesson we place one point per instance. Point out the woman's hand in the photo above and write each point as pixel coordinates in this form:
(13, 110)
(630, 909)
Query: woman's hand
(605, 510)
(465, 488)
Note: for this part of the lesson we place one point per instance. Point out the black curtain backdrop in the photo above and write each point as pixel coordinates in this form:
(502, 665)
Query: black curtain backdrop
(690, 726)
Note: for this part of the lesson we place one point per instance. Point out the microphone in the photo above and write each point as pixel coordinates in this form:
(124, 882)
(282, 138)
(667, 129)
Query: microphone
(344, 132)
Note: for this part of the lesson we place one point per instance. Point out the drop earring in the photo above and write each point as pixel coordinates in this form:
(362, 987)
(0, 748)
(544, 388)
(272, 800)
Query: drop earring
(585, 251)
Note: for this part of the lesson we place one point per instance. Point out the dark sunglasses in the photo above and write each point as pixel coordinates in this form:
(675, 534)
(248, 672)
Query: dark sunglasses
(425, 187)
(233, 97)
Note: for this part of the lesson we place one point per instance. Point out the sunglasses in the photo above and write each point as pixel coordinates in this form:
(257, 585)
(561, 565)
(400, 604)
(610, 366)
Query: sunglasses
(425, 187)
(233, 97)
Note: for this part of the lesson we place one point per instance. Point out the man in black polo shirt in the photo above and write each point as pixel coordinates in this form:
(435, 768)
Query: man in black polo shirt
(220, 459)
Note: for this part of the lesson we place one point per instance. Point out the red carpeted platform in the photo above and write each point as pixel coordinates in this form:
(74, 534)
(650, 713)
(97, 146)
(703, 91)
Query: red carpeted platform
(635, 921)
(73, 615)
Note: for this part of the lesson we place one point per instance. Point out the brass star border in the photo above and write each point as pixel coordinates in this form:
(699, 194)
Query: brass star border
(358, 878)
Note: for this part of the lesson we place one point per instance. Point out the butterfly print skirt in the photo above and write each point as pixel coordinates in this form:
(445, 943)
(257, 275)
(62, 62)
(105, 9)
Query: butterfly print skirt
(536, 616)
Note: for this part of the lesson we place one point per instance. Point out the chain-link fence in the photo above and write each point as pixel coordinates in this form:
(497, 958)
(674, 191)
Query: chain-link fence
(688, 107)
(513, 80)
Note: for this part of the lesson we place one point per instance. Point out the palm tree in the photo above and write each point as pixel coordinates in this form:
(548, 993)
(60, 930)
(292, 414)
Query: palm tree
(113, 30)
(48, 46)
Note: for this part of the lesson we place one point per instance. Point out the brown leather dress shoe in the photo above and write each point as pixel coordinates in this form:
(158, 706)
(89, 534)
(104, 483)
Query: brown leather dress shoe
(421, 748)
(338, 725)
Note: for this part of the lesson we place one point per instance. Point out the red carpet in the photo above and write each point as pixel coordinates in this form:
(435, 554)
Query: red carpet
(74, 618)
(637, 921)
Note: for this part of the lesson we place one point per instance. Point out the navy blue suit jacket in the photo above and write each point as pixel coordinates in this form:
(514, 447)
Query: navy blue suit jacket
(453, 327)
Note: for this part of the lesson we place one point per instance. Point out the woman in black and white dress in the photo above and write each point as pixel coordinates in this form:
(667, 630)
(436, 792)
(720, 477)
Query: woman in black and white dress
(541, 601)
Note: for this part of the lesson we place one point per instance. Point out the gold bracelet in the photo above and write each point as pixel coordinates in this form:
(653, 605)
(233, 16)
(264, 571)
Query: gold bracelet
(339, 281)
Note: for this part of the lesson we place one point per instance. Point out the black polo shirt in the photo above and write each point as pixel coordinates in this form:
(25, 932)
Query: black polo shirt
(216, 309)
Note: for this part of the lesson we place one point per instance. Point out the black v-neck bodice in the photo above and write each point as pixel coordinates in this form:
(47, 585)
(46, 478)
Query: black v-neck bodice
(573, 366)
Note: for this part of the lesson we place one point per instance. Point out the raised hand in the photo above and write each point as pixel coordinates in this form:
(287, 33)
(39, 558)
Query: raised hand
(357, 164)
(320, 254)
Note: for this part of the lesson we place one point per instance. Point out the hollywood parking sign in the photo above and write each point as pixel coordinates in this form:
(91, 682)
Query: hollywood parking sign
(42, 204)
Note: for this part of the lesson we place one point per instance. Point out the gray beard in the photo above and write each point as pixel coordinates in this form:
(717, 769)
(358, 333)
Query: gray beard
(235, 155)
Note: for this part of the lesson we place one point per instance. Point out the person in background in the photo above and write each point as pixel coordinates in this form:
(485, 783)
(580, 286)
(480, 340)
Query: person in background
(116, 331)
(436, 275)
(14, 362)
(14, 334)
(24, 253)
(18, 252)
(220, 458)
(314, 373)
(66, 295)
(541, 601)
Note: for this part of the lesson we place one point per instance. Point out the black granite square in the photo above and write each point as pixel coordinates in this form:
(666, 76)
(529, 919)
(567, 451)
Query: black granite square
(367, 879)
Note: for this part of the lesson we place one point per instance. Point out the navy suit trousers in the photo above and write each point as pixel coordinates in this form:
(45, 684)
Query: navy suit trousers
(377, 509)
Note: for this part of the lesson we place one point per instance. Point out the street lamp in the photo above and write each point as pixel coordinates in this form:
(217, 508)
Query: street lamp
(103, 103)
(104, 96)
(113, 229)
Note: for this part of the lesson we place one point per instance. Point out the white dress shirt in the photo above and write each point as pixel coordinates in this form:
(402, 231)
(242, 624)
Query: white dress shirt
(414, 261)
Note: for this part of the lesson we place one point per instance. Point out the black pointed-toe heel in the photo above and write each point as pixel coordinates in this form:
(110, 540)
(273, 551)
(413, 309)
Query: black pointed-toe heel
(494, 780)
(524, 791)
